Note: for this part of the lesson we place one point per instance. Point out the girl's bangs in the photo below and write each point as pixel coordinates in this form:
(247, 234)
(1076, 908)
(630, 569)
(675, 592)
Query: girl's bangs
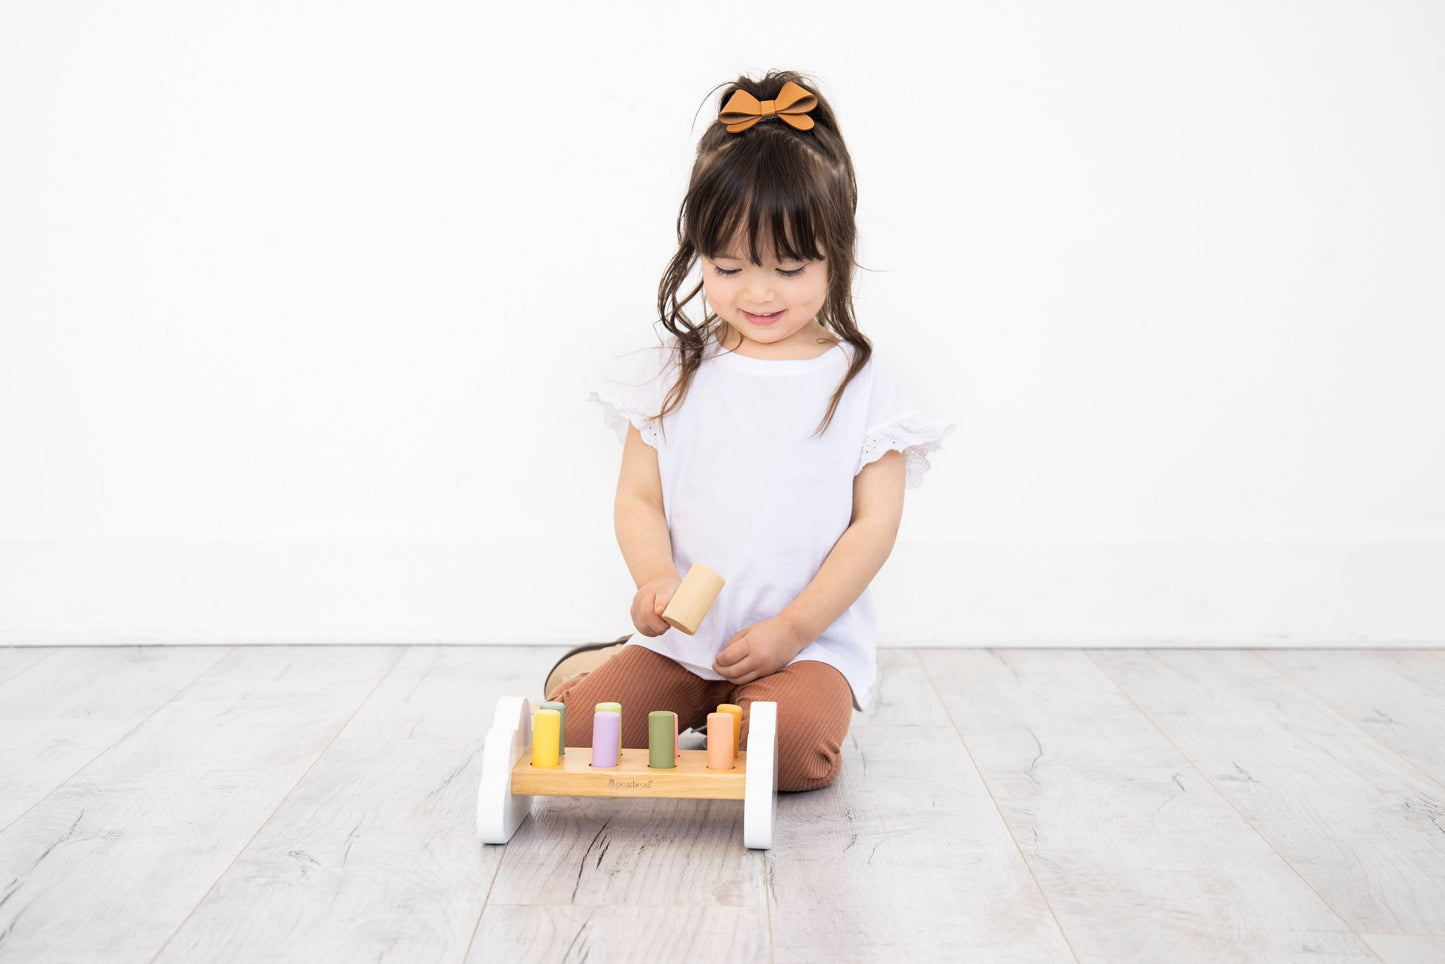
(772, 210)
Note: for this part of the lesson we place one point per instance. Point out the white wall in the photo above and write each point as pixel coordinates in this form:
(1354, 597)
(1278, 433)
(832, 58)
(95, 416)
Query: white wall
(297, 300)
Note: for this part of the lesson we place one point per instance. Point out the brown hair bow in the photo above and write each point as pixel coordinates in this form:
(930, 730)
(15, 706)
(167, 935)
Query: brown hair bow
(743, 110)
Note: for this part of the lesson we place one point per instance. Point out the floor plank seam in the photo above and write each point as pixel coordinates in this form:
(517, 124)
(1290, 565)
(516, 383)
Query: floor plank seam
(1249, 823)
(496, 871)
(997, 809)
(28, 667)
(1327, 705)
(117, 741)
(401, 654)
(768, 902)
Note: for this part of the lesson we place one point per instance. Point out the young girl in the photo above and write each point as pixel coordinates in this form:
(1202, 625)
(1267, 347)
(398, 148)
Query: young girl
(767, 442)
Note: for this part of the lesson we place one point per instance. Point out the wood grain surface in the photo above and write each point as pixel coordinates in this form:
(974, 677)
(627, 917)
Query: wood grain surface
(318, 804)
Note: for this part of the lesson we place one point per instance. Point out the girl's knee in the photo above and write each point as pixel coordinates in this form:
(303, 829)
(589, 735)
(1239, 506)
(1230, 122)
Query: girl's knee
(815, 706)
(808, 767)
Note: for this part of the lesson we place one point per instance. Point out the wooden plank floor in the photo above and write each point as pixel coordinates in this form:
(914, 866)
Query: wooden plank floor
(318, 804)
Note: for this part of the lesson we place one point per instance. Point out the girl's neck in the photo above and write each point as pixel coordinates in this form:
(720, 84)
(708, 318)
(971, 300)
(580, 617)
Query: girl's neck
(810, 342)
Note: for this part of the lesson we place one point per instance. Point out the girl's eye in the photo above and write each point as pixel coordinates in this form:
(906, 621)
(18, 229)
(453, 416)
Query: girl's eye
(728, 273)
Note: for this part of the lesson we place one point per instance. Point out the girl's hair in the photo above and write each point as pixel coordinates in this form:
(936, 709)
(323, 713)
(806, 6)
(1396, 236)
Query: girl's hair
(795, 188)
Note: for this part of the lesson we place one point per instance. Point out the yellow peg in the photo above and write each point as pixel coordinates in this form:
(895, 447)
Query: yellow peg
(546, 731)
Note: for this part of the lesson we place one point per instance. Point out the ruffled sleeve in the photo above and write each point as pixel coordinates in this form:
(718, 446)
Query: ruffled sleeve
(895, 425)
(632, 393)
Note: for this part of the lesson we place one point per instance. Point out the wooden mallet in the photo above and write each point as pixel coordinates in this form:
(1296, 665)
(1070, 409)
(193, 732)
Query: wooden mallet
(685, 611)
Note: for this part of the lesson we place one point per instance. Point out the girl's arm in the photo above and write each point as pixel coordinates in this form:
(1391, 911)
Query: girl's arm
(854, 560)
(859, 553)
(641, 526)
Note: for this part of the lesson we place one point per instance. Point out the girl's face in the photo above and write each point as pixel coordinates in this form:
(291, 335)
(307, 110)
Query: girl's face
(774, 304)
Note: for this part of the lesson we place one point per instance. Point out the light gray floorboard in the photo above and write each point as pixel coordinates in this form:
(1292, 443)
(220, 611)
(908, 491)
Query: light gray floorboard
(1396, 696)
(372, 857)
(1394, 949)
(905, 856)
(587, 864)
(1138, 856)
(1362, 826)
(18, 659)
(630, 852)
(549, 934)
(906, 695)
(107, 866)
(64, 710)
(318, 803)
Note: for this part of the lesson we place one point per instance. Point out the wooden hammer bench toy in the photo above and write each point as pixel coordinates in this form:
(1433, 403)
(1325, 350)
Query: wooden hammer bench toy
(525, 754)
(524, 757)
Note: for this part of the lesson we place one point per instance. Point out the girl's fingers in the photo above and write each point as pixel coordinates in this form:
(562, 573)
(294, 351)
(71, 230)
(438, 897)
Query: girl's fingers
(738, 668)
(649, 624)
(740, 674)
(731, 655)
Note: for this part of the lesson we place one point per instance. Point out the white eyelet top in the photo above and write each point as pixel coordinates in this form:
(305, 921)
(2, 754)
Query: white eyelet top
(750, 493)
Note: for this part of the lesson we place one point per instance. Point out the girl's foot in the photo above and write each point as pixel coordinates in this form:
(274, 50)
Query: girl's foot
(581, 659)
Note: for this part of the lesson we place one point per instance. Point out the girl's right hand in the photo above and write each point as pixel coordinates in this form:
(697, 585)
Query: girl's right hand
(650, 600)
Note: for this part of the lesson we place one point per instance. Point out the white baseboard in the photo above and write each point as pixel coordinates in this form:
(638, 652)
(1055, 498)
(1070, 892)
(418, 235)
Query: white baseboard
(538, 593)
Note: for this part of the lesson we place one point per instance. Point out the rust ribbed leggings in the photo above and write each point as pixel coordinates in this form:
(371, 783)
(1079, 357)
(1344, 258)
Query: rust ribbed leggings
(815, 706)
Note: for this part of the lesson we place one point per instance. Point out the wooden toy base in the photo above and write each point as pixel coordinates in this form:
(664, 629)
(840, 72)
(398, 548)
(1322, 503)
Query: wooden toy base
(575, 776)
(509, 781)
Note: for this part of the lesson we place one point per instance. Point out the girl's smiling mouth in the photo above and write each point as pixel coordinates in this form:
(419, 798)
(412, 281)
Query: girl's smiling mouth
(762, 319)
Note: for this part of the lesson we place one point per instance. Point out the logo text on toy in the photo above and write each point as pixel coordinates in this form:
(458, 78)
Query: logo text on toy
(628, 784)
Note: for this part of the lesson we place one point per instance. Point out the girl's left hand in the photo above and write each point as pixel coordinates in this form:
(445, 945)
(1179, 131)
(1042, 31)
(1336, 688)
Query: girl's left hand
(759, 650)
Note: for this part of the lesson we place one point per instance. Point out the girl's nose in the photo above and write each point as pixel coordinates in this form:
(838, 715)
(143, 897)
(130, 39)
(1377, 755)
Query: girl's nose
(759, 287)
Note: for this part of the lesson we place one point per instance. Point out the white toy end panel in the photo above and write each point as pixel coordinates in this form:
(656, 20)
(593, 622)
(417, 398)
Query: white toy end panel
(499, 812)
(760, 795)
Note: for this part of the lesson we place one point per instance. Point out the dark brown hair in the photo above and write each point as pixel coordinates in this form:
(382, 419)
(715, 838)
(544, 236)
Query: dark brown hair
(799, 188)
